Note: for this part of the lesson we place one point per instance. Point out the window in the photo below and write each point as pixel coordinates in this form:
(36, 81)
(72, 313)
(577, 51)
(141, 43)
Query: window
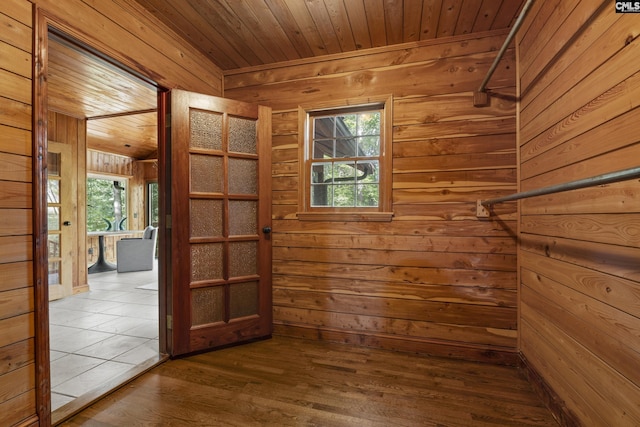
(153, 205)
(106, 204)
(346, 169)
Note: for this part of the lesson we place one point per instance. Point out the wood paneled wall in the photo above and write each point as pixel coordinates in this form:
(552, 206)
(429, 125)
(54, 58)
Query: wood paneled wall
(435, 279)
(17, 317)
(123, 32)
(579, 71)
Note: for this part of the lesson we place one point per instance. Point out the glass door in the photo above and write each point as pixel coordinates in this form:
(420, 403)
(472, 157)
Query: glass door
(59, 235)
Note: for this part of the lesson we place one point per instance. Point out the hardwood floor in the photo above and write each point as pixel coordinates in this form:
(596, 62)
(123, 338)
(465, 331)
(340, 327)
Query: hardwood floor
(291, 382)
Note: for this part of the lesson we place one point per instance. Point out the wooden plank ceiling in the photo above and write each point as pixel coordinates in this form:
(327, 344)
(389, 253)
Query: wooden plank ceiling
(249, 33)
(237, 34)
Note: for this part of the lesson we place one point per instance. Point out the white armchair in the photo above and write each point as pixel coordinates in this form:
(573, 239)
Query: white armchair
(137, 254)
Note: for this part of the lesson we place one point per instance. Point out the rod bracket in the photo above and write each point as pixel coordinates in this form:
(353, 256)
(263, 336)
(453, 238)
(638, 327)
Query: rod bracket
(481, 210)
(480, 99)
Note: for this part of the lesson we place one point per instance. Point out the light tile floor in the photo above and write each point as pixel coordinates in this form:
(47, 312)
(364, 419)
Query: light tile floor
(100, 334)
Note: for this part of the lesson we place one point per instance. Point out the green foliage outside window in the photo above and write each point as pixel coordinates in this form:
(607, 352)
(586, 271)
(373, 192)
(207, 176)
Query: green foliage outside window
(345, 171)
(106, 205)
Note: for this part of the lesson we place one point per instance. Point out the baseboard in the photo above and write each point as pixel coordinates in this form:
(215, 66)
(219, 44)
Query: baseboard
(453, 350)
(564, 416)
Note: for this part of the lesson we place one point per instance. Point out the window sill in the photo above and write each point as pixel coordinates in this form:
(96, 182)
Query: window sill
(346, 216)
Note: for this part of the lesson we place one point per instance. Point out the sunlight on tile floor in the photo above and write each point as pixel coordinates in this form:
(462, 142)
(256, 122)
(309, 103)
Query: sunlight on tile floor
(102, 333)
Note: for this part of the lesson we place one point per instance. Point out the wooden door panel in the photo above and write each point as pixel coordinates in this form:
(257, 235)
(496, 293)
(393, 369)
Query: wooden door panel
(220, 189)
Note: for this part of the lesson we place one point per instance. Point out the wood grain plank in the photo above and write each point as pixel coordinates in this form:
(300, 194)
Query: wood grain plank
(545, 151)
(15, 33)
(15, 114)
(616, 229)
(15, 60)
(581, 366)
(448, 18)
(612, 198)
(479, 295)
(447, 244)
(15, 195)
(467, 18)
(15, 168)
(16, 275)
(15, 249)
(16, 302)
(417, 275)
(585, 90)
(614, 291)
(609, 340)
(16, 329)
(619, 261)
(19, 409)
(16, 222)
(289, 25)
(376, 258)
(15, 141)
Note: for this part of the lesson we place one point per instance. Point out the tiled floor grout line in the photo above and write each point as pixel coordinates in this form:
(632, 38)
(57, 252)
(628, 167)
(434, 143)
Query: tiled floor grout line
(102, 333)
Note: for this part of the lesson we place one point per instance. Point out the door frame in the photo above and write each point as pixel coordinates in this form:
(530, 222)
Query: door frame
(44, 21)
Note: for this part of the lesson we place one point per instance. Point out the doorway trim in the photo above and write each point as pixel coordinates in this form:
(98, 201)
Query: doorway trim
(44, 22)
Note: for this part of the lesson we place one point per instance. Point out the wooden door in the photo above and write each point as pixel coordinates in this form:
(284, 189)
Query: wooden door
(60, 217)
(219, 215)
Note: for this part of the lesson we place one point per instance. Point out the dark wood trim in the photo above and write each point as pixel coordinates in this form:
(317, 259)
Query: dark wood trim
(564, 416)
(40, 266)
(165, 293)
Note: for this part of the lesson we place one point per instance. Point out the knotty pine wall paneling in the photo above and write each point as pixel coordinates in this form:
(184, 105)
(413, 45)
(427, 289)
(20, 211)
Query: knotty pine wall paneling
(435, 279)
(579, 71)
(17, 312)
(121, 30)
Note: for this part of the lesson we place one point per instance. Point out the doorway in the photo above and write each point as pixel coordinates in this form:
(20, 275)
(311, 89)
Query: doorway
(204, 301)
(104, 328)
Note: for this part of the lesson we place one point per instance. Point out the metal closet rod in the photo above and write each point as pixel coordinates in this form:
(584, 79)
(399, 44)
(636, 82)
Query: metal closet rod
(607, 178)
(481, 98)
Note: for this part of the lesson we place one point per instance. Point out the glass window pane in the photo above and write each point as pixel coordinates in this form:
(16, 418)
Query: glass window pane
(243, 217)
(321, 195)
(368, 195)
(347, 125)
(243, 258)
(369, 123)
(243, 299)
(323, 149)
(106, 204)
(205, 174)
(54, 273)
(368, 171)
(53, 163)
(53, 190)
(242, 135)
(206, 261)
(207, 305)
(344, 195)
(206, 218)
(321, 172)
(243, 176)
(206, 130)
(53, 218)
(346, 147)
(369, 146)
(343, 171)
(323, 127)
(53, 245)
